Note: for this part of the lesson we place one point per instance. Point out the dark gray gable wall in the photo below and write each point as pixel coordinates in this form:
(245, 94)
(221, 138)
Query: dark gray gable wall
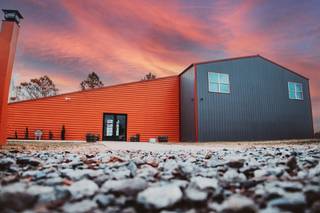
(257, 108)
(187, 123)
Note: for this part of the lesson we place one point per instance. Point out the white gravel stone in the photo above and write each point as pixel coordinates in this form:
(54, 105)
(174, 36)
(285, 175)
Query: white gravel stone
(83, 188)
(159, 197)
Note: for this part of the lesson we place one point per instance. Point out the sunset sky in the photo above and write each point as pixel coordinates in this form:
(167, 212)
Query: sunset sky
(123, 40)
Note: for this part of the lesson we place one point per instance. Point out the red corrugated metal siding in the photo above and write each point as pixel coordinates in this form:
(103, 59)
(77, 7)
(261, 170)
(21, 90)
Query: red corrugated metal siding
(152, 108)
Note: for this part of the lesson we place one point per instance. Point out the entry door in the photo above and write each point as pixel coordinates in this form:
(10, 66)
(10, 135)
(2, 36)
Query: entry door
(114, 127)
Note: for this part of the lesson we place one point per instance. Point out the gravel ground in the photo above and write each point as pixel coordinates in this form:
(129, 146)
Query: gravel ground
(141, 177)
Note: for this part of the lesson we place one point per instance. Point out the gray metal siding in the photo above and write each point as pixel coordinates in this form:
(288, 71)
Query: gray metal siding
(187, 128)
(258, 106)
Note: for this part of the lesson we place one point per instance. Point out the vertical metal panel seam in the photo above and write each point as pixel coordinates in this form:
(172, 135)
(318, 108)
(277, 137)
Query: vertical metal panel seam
(196, 104)
(310, 105)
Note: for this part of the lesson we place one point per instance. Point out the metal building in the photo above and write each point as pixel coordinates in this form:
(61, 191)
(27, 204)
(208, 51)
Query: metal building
(247, 98)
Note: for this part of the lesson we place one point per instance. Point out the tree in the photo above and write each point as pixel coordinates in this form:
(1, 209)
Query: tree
(35, 88)
(149, 76)
(92, 81)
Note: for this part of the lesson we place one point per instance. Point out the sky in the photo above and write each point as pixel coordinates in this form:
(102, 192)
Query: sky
(122, 40)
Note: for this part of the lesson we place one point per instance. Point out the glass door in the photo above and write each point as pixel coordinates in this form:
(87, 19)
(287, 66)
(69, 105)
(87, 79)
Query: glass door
(114, 127)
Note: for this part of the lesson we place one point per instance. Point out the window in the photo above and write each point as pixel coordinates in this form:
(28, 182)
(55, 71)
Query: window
(295, 91)
(218, 82)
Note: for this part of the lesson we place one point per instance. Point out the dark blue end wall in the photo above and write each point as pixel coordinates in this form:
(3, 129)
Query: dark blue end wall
(257, 108)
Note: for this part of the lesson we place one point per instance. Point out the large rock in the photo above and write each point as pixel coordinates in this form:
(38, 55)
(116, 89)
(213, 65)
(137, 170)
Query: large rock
(294, 202)
(23, 161)
(238, 203)
(83, 188)
(45, 194)
(233, 176)
(125, 186)
(5, 163)
(77, 174)
(159, 197)
(196, 195)
(14, 197)
(236, 163)
(205, 183)
(82, 206)
(104, 200)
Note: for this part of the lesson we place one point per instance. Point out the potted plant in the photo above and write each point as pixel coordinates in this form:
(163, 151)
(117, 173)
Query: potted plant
(90, 137)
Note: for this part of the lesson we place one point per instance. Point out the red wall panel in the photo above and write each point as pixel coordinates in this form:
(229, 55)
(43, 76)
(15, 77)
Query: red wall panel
(152, 108)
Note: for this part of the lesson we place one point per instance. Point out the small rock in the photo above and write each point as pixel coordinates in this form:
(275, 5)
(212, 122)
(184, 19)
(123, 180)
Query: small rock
(195, 194)
(133, 168)
(83, 188)
(237, 163)
(35, 175)
(233, 176)
(260, 173)
(205, 183)
(292, 163)
(128, 210)
(146, 171)
(104, 200)
(159, 197)
(77, 174)
(53, 181)
(121, 174)
(82, 206)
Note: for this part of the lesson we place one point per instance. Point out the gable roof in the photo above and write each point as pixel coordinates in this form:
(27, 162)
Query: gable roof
(239, 58)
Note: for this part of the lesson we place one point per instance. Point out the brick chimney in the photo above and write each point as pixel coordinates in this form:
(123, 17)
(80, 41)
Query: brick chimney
(8, 41)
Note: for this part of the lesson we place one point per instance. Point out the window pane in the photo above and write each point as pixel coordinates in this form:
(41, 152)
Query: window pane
(292, 95)
(299, 87)
(291, 87)
(299, 95)
(213, 87)
(213, 77)
(224, 78)
(224, 88)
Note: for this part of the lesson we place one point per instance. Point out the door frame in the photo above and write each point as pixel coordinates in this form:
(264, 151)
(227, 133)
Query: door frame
(114, 114)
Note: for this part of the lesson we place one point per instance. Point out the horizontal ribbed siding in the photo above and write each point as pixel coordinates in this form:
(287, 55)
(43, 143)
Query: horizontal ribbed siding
(152, 108)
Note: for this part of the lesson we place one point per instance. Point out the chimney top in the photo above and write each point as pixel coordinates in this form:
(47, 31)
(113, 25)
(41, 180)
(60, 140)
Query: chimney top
(12, 15)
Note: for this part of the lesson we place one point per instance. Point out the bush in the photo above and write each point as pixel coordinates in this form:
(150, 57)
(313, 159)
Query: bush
(26, 134)
(50, 135)
(317, 135)
(63, 133)
(90, 137)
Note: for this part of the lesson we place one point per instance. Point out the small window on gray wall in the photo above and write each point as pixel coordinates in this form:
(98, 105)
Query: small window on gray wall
(218, 82)
(295, 91)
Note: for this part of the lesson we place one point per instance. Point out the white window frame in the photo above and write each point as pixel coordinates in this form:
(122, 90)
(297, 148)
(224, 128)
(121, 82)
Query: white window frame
(295, 91)
(219, 83)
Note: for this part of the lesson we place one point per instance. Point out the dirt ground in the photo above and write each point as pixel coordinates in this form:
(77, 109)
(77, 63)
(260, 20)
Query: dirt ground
(104, 146)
